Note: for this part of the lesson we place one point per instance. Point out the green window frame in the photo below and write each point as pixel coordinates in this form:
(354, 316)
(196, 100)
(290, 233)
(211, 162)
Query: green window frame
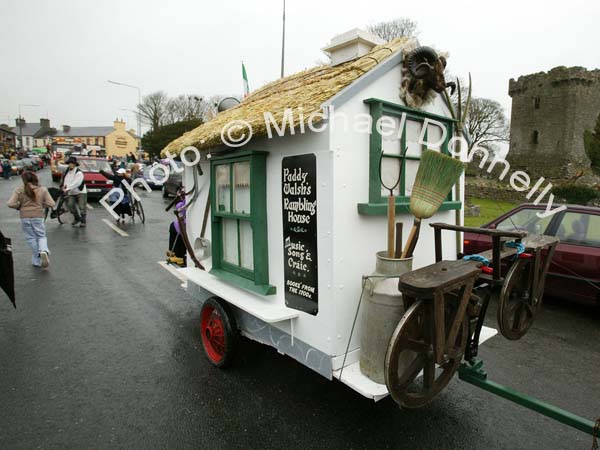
(377, 204)
(254, 276)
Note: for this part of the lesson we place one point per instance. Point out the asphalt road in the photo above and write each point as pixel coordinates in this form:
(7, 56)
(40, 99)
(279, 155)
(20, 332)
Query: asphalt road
(103, 352)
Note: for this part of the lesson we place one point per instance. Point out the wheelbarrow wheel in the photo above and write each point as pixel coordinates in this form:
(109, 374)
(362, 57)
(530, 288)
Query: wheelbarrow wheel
(518, 304)
(219, 332)
(410, 354)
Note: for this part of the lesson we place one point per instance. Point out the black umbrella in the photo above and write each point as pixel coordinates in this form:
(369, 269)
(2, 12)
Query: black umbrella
(7, 275)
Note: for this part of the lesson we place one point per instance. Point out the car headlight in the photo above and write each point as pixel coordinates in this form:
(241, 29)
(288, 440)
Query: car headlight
(109, 182)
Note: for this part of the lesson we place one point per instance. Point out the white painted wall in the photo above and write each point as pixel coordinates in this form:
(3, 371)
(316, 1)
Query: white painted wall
(357, 237)
(347, 241)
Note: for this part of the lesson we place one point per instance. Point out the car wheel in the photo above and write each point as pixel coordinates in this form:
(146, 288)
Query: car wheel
(218, 331)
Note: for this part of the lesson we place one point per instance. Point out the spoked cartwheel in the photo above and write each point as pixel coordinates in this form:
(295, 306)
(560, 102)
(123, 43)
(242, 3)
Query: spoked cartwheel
(219, 332)
(138, 210)
(410, 354)
(519, 301)
(58, 211)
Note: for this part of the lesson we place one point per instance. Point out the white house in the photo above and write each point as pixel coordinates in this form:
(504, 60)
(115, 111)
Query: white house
(296, 219)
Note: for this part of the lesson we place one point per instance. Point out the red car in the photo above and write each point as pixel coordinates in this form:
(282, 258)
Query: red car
(574, 273)
(97, 185)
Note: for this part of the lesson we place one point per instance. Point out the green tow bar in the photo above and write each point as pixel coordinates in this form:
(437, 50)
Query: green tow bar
(473, 373)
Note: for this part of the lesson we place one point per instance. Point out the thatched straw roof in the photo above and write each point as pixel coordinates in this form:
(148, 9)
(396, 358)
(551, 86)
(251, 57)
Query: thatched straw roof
(307, 90)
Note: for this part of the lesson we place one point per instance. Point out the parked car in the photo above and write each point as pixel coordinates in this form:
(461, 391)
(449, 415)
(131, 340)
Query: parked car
(174, 182)
(157, 179)
(31, 164)
(97, 184)
(18, 166)
(574, 273)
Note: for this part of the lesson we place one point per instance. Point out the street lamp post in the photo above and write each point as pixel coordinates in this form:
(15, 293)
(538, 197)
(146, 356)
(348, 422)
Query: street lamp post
(139, 115)
(21, 123)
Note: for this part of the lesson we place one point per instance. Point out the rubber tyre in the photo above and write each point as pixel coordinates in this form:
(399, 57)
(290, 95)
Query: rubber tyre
(219, 332)
(139, 210)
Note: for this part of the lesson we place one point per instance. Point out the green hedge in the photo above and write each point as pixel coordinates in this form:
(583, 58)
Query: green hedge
(578, 194)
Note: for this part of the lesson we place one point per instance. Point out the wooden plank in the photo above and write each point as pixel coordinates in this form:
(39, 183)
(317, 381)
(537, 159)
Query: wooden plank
(439, 276)
(477, 230)
(439, 335)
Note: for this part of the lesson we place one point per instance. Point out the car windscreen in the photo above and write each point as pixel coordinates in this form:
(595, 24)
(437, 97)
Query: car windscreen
(94, 165)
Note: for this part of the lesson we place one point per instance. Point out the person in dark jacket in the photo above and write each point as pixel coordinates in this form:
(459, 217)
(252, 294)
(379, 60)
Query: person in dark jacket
(177, 251)
(124, 207)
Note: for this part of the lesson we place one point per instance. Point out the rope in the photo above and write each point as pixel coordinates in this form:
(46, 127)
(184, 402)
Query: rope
(518, 245)
(479, 258)
(595, 435)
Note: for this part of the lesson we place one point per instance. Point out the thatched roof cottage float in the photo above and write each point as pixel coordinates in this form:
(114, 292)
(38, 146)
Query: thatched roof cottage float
(297, 213)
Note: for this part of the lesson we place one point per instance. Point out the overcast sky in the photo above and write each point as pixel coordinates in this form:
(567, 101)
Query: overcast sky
(59, 54)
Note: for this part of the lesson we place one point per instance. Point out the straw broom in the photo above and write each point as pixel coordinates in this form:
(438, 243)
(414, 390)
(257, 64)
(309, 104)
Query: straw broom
(436, 175)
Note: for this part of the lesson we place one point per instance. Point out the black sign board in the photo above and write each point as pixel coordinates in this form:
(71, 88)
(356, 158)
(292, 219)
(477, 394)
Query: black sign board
(299, 194)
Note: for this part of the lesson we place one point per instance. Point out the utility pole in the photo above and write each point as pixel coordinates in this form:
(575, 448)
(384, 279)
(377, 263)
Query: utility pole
(139, 114)
(283, 41)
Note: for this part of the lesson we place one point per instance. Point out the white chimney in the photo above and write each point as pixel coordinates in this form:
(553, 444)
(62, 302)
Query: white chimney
(351, 45)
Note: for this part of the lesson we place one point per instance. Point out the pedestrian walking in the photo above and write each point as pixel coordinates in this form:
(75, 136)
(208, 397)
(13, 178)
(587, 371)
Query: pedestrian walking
(30, 200)
(76, 192)
(6, 169)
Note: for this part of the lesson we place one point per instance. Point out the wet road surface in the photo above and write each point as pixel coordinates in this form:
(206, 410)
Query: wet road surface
(103, 352)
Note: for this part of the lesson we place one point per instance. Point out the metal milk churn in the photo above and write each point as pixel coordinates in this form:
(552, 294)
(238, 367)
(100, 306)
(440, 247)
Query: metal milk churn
(382, 310)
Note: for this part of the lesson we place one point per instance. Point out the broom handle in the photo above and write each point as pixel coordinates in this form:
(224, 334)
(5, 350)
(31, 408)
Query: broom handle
(398, 249)
(391, 225)
(411, 242)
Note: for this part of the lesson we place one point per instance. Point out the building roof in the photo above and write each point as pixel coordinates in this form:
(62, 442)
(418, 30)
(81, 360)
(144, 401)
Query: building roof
(307, 90)
(7, 129)
(84, 131)
(27, 129)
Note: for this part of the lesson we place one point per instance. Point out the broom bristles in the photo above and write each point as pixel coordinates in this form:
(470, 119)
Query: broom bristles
(435, 177)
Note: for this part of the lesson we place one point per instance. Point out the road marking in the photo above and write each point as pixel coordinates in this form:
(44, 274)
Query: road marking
(115, 228)
(173, 271)
(89, 206)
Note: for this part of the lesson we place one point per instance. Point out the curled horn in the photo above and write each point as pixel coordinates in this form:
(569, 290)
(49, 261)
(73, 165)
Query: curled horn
(421, 61)
(452, 86)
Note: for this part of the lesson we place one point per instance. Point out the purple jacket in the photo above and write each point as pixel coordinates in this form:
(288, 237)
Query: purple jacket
(182, 210)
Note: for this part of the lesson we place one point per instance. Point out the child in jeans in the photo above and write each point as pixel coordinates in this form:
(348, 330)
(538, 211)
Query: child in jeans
(31, 199)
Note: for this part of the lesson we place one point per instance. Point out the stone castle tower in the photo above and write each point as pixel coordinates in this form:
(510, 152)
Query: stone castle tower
(550, 112)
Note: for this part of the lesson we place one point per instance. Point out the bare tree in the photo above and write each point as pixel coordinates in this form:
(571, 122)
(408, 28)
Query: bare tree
(186, 107)
(154, 109)
(486, 123)
(392, 29)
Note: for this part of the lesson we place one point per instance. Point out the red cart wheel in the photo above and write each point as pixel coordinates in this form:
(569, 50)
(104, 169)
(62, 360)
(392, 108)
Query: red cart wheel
(219, 332)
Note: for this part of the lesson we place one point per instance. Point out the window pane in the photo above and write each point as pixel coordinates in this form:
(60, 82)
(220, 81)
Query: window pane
(525, 220)
(413, 133)
(390, 139)
(230, 241)
(223, 180)
(247, 253)
(241, 192)
(411, 173)
(578, 228)
(434, 136)
(390, 169)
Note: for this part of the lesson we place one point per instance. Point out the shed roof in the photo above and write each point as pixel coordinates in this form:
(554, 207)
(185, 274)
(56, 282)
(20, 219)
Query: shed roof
(308, 90)
(84, 131)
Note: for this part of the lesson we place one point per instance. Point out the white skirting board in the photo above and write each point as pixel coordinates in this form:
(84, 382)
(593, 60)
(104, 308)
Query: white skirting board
(353, 377)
